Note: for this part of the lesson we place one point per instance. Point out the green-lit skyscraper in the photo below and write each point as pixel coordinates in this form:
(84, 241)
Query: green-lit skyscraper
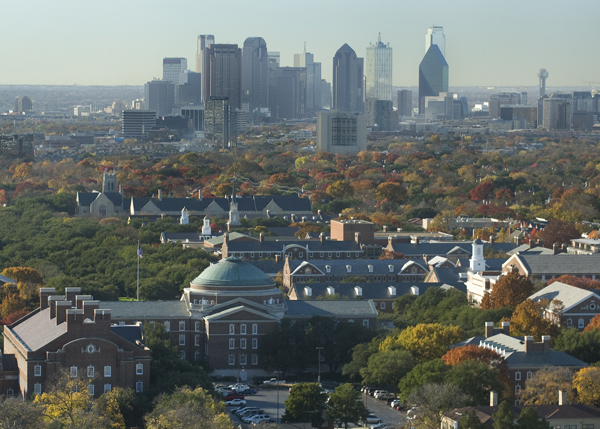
(433, 75)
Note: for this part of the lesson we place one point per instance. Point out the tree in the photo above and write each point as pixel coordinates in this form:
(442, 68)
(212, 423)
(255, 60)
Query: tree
(116, 404)
(558, 232)
(511, 289)
(387, 254)
(504, 417)
(433, 400)
(594, 323)
(587, 384)
(433, 371)
(482, 191)
(388, 367)
(306, 403)
(17, 413)
(528, 319)
(583, 283)
(429, 341)
(394, 192)
(345, 405)
(581, 345)
(458, 355)
(360, 357)
(475, 379)
(340, 190)
(530, 419)
(187, 408)
(542, 388)
(469, 420)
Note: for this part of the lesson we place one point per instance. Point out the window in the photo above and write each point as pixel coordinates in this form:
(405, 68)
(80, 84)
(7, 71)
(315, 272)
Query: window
(252, 254)
(569, 322)
(243, 359)
(300, 254)
(231, 343)
(197, 355)
(90, 371)
(37, 388)
(73, 371)
(182, 339)
(168, 326)
(10, 393)
(243, 329)
(321, 254)
(182, 325)
(91, 389)
(517, 389)
(37, 370)
(107, 388)
(232, 359)
(107, 371)
(337, 254)
(197, 326)
(182, 354)
(139, 387)
(310, 254)
(529, 375)
(329, 254)
(382, 305)
(196, 340)
(139, 369)
(588, 426)
(366, 323)
(580, 323)
(231, 328)
(518, 375)
(347, 254)
(254, 343)
(350, 320)
(254, 359)
(260, 255)
(254, 328)
(242, 343)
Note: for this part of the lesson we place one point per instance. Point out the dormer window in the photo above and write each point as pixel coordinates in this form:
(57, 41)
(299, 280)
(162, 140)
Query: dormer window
(391, 268)
(392, 290)
(328, 268)
(330, 290)
(308, 291)
(370, 268)
(348, 268)
(358, 290)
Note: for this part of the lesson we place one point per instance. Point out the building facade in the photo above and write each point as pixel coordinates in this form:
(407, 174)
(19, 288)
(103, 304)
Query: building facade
(435, 36)
(159, 96)
(172, 68)
(433, 75)
(405, 103)
(348, 76)
(217, 117)
(341, 132)
(378, 71)
(136, 124)
(255, 69)
(222, 73)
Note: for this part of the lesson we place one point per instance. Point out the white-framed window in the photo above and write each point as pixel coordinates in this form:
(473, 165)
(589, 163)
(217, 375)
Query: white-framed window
(37, 388)
(107, 371)
(254, 359)
(382, 305)
(321, 254)
(182, 354)
(310, 254)
(243, 329)
(337, 254)
(37, 370)
(231, 328)
(197, 326)
(182, 339)
(255, 328)
(196, 340)
(90, 371)
(518, 375)
(254, 343)
(139, 387)
(580, 323)
(182, 325)
(300, 254)
(260, 255)
(329, 254)
(107, 388)
(569, 322)
(244, 359)
(366, 323)
(73, 371)
(197, 355)
(517, 389)
(91, 389)
(529, 375)
(350, 320)
(242, 343)
(231, 359)
(10, 393)
(231, 343)
(168, 326)
(252, 254)
(139, 368)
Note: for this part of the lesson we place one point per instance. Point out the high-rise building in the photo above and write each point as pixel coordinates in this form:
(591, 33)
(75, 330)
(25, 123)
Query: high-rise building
(435, 36)
(136, 124)
(203, 41)
(189, 90)
(172, 68)
(557, 113)
(312, 93)
(222, 73)
(378, 71)
(543, 75)
(285, 93)
(433, 75)
(341, 132)
(274, 59)
(503, 99)
(348, 76)
(379, 113)
(255, 69)
(216, 122)
(159, 96)
(23, 104)
(405, 102)
(196, 114)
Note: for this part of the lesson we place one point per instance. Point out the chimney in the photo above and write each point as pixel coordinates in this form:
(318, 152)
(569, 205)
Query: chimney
(102, 316)
(74, 316)
(200, 194)
(489, 329)
(425, 258)
(160, 195)
(52, 304)
(268, 214)
(322, 237)
(531, 243)
(528, 344)
(493, 399)
(555, 248)
(61, 310)
(71, 293)
(277, 257)
(79, 300)
(506, 328)
(89, 307)
(384, 228)
(261, 237)
(357, 237)
(293, 217)
(562, 397)
(303, 219)
(121, 190)
(491, 240)
(390, 241)
(546, 342)
(226, 237)
(319, 213)
(45, 293)
(518, 241)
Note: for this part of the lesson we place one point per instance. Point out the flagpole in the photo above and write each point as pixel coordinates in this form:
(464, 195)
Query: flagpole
(138, 272)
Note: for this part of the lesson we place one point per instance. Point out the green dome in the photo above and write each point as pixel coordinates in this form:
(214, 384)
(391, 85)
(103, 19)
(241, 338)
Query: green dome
(232, 271)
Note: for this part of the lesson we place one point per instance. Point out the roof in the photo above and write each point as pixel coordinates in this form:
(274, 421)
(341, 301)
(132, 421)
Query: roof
(559, 264)
(359, 266)
(143, 310)
(181, 236)
(268, 265)
(86, 198)
(567, 294)
(378, 291)
(548, 412)
(524, 248)
(38, 329)
(284, 231)
(445, 247)
(131, 333)
(451, 275)
(232, 272)
(277, 246)
(215, 241)
(337, 308)
(4, 279)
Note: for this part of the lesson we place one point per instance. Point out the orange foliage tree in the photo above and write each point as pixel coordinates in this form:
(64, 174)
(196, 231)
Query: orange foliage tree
(511, 289)
(458, 355)
(594, 323)
(528, 319)
(586, 283)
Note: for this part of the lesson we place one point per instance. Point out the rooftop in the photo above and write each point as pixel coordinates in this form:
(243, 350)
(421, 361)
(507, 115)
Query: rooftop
(232, 272)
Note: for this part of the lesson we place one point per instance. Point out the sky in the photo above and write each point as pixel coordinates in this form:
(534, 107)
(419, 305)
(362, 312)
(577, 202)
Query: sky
(123, 42)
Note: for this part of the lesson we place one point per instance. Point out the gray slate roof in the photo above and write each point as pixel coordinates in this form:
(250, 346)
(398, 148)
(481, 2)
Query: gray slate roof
(525, 249)
(277, 246)
(567, 294)
(443, 248)
(342, 308)
(561, 264)
(180, 236)
(133, 310)
(379, 290)
(38, 329)
(131, 333)
(288, 203)
(359, 266)
(4, 279)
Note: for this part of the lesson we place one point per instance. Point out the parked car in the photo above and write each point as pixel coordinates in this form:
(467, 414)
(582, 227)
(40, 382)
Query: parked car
(248, 392)
(381, 426)
(372, 418)
(250, 413)
(259, 420)
(241, 410)
(255, 418)
(232, 396)
(274, 381)
(412, 413)
(385, 396)
(239, 386)
(378, 393)
(235, 402)
(395, 403)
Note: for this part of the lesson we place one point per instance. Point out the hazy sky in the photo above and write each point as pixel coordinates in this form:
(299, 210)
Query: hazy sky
(116, 42)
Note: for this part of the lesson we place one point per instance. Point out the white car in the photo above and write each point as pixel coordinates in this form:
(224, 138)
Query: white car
(395, 403)
(239, 386)
(235, 402)
(372, 419)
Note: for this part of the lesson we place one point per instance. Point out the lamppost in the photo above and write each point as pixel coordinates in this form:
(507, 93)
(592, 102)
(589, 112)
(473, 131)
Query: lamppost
(277, 374)
(366, 375)
(319, 365)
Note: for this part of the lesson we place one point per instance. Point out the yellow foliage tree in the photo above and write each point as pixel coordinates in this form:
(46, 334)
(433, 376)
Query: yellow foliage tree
(528, 319)
(587, 384)
(427, 341)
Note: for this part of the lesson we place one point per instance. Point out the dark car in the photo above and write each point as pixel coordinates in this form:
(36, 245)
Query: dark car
(248, 392)
(232, 396)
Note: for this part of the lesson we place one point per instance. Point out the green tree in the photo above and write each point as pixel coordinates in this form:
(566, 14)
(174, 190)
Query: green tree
(340, 190)
(306, 403)
(529, 419)
(388, 367)
(475, 379)
(17, 413)
(345, 405)
(433, 400)
(360, 357)
(581, 345)
(394, 192)
(433, 371)
(469, 420)
(504, 417)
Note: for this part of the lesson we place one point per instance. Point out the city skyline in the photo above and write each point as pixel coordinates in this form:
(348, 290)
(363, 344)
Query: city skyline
(483, 50)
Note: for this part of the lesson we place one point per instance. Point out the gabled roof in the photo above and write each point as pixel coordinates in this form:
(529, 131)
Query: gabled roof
(4, 279)
(524, 248)
(277, 246)
(341, 308)
(556, 265)
(359, 266)
(86, 198)
(439, 260)
(181, 236)
(37, 330)
(569, 295)
(233, 310)
(144, 310)
(131, 333)
(378, 291)
(445, 248)
(231, 237)
(303, 265)
(409, 264)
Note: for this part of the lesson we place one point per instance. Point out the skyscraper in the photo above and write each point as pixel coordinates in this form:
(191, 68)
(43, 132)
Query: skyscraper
(341, 132)
(216, 121)
(172, 67)
(222, 73)
(405, 102)
(433, 75)
(378, 71)
(312, 85)
(285, 93)
(203, 41)
(255, 69)
(348, 78)
(435, 36)
(23, 104)
(159, 96)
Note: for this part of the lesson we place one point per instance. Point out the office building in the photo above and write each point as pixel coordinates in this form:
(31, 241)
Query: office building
(23, 104)
(433, 75)
(405, 102)
(435, 36)
(341, 132)
(136, 124)
(255, 69)
(502, 99)
(312, 93)
(172, 68)
(203, 41)
(196, 114)
(325, 94)
(443, 106)
(348, 76)
(523, 116)
(378, 71)
(557, 113)
(222, 73)
(543, 75)
(159, 96)
(274, 60)
(379, 113)
(216, 122)
(285, 93)
(189, 90)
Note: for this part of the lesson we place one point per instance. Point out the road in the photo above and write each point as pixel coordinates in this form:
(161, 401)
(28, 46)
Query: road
(266, 399)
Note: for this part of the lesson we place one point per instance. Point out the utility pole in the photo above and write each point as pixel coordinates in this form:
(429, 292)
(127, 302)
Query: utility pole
(319, 365)
(277, 374)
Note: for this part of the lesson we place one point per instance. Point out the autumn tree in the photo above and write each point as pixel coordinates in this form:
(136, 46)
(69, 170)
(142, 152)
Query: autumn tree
(587, 384)
(558, 232)
(340, 190)
(583, 283)
(482, 191)
(433, 400)
(458, 355)
(17, 413)
(528, 319)
(427, 341)
(594, 323)
(543, 387)
(512, 289)
(28, 279)
(394, 192)
(388, 254)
